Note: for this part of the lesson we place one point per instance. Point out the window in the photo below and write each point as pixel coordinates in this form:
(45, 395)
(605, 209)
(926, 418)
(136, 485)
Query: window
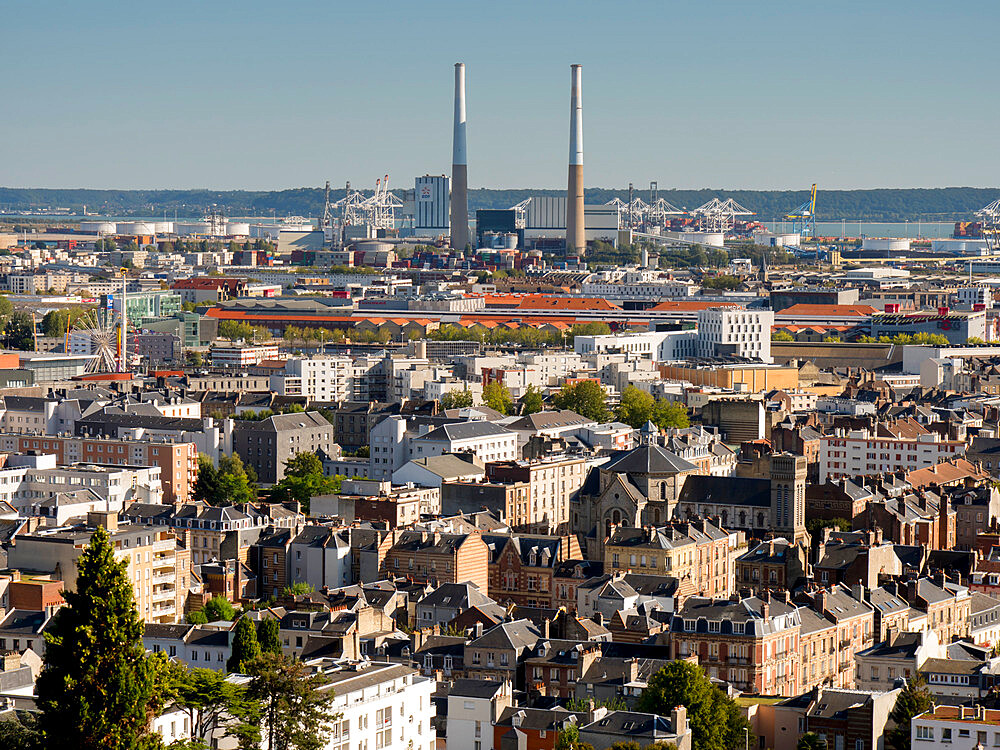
(946, 735)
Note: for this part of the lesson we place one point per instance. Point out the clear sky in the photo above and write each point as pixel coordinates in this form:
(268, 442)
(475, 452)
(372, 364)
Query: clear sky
(709, 94)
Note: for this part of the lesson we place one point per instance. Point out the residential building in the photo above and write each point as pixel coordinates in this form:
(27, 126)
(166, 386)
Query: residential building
(699, 554)
(177, 461)
(436, 558)
(268, 444)
(753, 643)
(157, 566)
(887, 447)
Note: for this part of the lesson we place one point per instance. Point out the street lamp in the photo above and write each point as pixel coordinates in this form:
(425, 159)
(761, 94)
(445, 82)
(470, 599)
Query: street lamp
(746, 732)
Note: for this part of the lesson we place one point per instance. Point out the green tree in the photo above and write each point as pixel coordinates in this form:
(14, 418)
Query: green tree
(295, 703)
(715, 720)
(213, 703)
(21, 732)
(532, 401)
(635, 407)
(912, 700)
(668, 414)
(98, 690)
(810, 741)
(20, 331)
(246, 649)
(974, 341)
(782, 336)
(456, 399)
(269, 636)
(298, 589)
(303, 480)
(237, 484)
(586, 398)
(6, 307)
(194, 359)
(219, 608)
(815, 526)
(497, 397)
(206, 486)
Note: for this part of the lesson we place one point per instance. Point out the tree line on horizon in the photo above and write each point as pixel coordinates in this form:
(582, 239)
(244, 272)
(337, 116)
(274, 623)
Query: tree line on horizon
(882, 204)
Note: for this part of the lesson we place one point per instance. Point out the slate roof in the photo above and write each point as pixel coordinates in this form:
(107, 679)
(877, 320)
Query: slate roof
(699, 488)
(649, 459)
(464, 431)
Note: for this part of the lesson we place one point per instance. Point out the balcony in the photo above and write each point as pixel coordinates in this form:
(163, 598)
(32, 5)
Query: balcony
(164, 577)
(164, 595)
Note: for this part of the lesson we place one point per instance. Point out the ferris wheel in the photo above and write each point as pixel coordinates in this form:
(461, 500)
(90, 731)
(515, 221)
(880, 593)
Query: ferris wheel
(98, 332)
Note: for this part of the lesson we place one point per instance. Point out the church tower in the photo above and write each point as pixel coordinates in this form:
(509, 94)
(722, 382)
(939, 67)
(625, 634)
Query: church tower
(788, 496)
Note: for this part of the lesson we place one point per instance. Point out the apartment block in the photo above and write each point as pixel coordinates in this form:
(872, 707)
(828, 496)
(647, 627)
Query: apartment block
(178, 461)
(158, 567)
(902, 445)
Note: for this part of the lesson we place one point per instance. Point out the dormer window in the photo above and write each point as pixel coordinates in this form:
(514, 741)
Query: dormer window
(689, 626)
(738, 628)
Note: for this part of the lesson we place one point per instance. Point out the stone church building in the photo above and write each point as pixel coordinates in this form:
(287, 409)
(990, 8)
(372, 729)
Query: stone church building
(649, 486)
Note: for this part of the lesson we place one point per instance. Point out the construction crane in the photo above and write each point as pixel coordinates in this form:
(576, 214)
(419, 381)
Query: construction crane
(803, 218)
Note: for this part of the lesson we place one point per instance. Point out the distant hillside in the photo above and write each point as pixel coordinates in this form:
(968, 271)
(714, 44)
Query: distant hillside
(871, 205)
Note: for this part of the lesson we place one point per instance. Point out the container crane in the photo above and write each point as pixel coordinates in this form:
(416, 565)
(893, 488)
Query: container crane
(803, 218)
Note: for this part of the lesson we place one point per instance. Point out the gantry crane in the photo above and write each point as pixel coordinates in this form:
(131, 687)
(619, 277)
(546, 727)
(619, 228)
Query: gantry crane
(803, 218)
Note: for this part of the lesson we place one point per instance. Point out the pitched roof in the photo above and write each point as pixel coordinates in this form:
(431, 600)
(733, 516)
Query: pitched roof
(649, 459)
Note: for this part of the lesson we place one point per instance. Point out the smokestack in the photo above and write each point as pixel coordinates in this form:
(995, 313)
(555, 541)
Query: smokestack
(459, 168)
(576, 240)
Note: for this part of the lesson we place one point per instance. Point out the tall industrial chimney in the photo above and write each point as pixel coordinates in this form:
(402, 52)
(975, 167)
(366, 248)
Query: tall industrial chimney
(576, 239)
(459, 168)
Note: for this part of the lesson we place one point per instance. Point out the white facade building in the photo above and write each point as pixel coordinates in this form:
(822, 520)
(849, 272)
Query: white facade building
(382, 707)
(956, 728)
(735, 331)
(316, 378)
(394, 441)
(857, 452)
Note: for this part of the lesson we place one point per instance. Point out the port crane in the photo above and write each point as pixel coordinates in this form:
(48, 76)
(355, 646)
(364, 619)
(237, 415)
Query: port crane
(803, 218)
(990, 217)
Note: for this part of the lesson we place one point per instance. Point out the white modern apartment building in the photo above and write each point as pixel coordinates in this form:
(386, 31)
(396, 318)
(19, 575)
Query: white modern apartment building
(735, 331)
(956, 728)
(381, 706)
(316, 378)
(396, 440)
(903, 445)
(661, 346)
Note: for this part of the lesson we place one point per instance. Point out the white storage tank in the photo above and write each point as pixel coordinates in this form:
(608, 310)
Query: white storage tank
(164, 227)
(98, 227)
(885, 244)
(710, 239)
(136, 227)
(192, 227)
(238, 229)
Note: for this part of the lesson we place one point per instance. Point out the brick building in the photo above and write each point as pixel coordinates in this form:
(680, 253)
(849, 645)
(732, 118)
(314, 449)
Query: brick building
(436, 558)
(753, 643)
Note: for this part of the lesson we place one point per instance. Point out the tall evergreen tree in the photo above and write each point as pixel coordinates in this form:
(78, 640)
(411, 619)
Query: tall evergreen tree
(98, 690)
(912, 700)
(246, 648)
(269, 637)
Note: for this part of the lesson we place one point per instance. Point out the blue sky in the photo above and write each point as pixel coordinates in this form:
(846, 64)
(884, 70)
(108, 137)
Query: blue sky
(256, 95)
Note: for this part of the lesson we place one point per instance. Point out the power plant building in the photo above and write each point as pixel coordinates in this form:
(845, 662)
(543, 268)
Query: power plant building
(546, 219)
(431, 205)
